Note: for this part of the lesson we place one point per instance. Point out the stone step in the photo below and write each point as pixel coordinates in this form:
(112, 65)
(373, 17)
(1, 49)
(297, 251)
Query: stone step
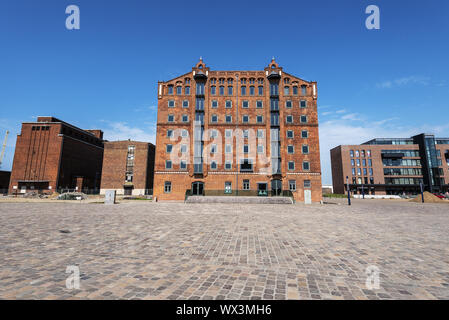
(232, 199)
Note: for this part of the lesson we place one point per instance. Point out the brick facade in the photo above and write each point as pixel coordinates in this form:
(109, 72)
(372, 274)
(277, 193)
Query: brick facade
(51, 154)
(364, 166)
(251, 110)
(116, 159)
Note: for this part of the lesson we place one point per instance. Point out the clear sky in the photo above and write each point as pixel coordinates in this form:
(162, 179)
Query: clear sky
(390, 82)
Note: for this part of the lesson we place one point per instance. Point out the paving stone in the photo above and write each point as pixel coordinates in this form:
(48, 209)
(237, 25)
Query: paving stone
(224, 251)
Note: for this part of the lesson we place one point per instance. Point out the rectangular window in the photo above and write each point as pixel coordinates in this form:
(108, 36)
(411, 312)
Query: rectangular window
(228, 187)
(353, 171)
(368, 153)
(228, 148)
(185, 118)
(221, 92)
(167, 187)
(370, 171)
(243, 91)
(213, 90)
(171, 103)
(259, 119)
(187, 91)
(351, 153)
(306, 165)
(260, 133)
(352, 162)
(292, 185)
(303, 104)
(290, 134)
(168, 148)
(170, 89)
(305, 149)
(357, 153)
(213, 149)
(358, 162)
(213, 165)
(286, 91)
(183, 148)
(178, 90)
(303, 119)
(288, 104)
(168, 164)
(183, 165)
(245, 119)
(185, 103)
(304, 134)
(364, 162)
(214, 118)
(169, 133)
(291, 165)
(260, 90)
(228, 104)
(359, 171)
(184, 133)
(246, 185)
(303, 90)
(228, 133)
(259, 104)
(307, 184)
(171, 118)
(245, 104)
(228, 119)
(260, 149)
(289, 119)
(290, 149)
(228, 165)
(214, 104)
(365, 172)
(370, 163)
(245, 148)
(230, 91)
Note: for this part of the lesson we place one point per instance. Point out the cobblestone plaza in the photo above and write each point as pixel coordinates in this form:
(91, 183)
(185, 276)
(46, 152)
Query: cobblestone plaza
(144, 250)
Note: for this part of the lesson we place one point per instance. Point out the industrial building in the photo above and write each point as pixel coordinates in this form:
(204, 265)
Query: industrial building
(237, 133)
(51, 155)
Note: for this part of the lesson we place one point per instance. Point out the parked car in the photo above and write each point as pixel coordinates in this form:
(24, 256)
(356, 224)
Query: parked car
(439, 196)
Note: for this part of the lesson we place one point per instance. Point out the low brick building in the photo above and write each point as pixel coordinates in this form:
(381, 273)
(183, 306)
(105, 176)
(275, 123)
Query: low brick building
(128, 167)
(52, 154)
(237, 132)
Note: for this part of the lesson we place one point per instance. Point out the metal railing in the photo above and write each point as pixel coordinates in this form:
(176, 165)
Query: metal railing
(242, 193)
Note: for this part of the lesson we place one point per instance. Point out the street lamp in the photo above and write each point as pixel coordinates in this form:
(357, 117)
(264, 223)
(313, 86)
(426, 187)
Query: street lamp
(349, 192)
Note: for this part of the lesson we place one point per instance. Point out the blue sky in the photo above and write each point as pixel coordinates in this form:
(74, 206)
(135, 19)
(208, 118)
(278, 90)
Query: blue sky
(371, 83)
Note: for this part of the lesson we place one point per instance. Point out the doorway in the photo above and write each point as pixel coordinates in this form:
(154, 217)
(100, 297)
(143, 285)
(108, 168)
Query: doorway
(276, 187)
(262, 189)
(197, 188)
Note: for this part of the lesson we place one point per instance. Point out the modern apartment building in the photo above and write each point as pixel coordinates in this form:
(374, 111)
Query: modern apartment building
(128, 167)
(52, 154)
(237, 132)
(392, 166)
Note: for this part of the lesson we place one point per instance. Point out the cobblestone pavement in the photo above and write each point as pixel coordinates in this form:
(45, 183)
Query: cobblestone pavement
(144, 250)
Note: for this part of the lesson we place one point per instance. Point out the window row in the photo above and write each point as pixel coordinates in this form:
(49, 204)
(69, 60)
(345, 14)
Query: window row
(362, 162)
(291, 165)
(365, 171)
(245, 104)
(260, 133)
(213, 148)
(361, 153)
(246, 185)
(289, 119)
(244, 90)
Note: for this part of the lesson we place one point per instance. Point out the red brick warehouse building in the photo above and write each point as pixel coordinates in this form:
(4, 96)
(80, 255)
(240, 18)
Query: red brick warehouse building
(52, 154)
(128, 167)
(251, 131)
